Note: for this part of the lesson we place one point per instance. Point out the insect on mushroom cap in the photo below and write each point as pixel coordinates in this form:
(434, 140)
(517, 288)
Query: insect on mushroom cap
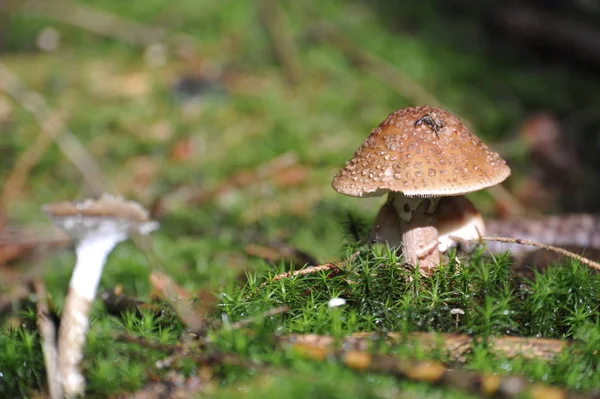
(421, 151)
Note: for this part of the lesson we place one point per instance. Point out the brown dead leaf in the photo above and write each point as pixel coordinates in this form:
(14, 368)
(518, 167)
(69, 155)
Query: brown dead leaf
(163, 286)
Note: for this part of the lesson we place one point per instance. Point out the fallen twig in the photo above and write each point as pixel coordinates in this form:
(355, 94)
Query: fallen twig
(306, 270)
(334, 267)
(316, 269)
(70, 146)
(456, 345)
(511, 204)
(47, 329)
(558, 250)
(14, 183)
(283, 45)
(103, 23)
(370, 63)
(433, 372)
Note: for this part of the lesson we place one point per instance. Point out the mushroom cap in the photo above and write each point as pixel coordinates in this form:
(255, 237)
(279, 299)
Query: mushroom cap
(421, 151)
(106, 215)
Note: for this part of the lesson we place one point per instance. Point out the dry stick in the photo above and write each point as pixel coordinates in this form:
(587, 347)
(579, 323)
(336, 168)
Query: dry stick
(17, 178)
(435, 373)
(306, 270)
(102, 23)
(503, 196)
(558, 250)
(310, 270)
(47, 330)
(70, 146)
(457, 345)
(283, 45)
(432, 372)
(393, 77)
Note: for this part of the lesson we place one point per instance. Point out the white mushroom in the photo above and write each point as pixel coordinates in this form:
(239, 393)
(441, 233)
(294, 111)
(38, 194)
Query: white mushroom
(97, 226)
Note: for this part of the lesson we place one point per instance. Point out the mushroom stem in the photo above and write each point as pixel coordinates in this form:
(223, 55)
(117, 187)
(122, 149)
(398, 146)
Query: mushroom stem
(92, 252)
(73, 328)
(386, 229)
(420, 237)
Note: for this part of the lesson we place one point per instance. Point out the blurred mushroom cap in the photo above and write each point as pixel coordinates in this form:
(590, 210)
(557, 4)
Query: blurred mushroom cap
(421, 151)
(107, 214)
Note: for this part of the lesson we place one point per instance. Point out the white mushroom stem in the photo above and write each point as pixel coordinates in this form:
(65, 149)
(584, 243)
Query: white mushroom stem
(386, 229)
(418, 229)
(92, 252)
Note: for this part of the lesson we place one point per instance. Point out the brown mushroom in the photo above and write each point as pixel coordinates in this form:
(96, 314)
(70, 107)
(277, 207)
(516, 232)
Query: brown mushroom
(418, 155)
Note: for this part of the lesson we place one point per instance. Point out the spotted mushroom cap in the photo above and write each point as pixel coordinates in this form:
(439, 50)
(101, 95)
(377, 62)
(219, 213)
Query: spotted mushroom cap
(421, 151)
